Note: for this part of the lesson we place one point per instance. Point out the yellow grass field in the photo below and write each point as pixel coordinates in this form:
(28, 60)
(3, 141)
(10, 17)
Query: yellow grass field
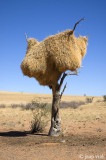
(83, 129)
(20, 97)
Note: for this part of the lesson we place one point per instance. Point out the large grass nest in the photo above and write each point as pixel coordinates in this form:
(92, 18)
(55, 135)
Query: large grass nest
(48, 59)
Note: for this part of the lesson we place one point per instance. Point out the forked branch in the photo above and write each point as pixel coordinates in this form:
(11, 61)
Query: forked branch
(63, 77)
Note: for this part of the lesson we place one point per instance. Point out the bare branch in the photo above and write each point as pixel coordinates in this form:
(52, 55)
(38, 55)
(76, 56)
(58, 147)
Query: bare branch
(62, 79)
(88, 36)
(26, 37)
(77, 23)
(63, 91)
(64, 75)
(71, 32)
(75, 73)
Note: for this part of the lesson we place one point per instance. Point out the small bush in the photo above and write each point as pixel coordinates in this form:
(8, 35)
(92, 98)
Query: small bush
(2, 106)
(104, 98)
(39, 123)
(15, 105)
(72, 104)
(29, 106)
(89, 100)
(41, 105)
(32, 106)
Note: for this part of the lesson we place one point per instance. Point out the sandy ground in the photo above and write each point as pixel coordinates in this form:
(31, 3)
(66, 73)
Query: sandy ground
(83, 130)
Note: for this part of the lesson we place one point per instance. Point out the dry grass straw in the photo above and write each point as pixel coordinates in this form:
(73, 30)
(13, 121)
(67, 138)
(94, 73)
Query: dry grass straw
(48, 59)
(39, 120)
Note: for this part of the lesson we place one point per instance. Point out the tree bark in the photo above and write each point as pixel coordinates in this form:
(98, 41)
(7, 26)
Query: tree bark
(55, 128)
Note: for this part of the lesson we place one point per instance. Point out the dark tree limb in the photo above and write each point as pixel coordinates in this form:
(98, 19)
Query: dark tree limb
(77, 23)
(72, 31)
(63, 77)
(63, 91)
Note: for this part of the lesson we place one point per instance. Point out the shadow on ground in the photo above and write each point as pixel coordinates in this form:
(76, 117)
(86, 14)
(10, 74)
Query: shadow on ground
(19, 134)
(13, 134)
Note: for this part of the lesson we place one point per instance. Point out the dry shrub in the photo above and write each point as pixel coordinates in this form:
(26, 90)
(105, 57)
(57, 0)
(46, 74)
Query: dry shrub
(2, 106)
(39, 123)
(45, 106)
(72, 104)
(48, 59)
(23, 106)
(32, 106)
(16, 106)
(104, 98)
(28, 106)
(89, 99)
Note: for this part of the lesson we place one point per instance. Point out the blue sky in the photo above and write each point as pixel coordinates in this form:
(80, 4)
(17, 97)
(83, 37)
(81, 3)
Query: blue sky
(43, 18)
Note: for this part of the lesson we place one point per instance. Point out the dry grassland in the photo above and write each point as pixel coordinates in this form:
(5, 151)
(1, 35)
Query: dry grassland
(83, 129)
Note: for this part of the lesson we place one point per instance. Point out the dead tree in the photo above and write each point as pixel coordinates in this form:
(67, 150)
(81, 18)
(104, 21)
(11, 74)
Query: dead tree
(55, 129)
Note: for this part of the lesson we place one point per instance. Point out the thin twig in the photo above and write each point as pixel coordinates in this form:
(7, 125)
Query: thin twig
(63, 91)
(62, 79)
(26, 37)
(77, 23)
(75, 73)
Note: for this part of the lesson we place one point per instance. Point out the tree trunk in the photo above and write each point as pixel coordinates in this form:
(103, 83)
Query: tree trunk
(55, 128)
